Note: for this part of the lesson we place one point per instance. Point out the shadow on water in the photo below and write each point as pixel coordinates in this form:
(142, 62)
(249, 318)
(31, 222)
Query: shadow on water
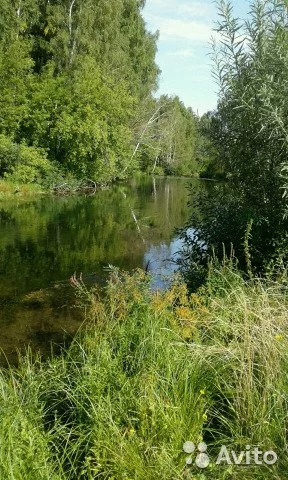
(45, 240)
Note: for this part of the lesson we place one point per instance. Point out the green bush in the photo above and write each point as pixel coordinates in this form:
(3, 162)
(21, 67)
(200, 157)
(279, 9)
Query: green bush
(8, 155)
(32, 165)
(24, 164)
(250, 126)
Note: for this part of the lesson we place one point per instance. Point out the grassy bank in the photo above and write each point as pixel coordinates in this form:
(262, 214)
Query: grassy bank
(150, 372)
(14, 189)
(68, 187)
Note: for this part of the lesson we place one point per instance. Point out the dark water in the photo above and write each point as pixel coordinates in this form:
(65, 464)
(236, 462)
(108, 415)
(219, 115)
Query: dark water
(45, 240)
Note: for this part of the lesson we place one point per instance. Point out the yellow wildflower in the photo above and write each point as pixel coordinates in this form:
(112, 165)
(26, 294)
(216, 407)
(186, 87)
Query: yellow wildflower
(184, 313)
(187, 332)
(278, 338)
(196, 300)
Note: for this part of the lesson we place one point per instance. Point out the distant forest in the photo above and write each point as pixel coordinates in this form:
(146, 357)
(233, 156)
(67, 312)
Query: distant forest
(77, 81)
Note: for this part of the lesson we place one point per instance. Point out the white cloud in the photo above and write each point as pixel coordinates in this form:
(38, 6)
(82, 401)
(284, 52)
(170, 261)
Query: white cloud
(188, 30)
(161, 3)
(188, 52)
(186, 27)
(191, 7)
(194, 9)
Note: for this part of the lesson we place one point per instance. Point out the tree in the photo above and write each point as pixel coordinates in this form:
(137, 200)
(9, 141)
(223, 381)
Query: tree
(70, 71)
(252, 116)
(168, 138)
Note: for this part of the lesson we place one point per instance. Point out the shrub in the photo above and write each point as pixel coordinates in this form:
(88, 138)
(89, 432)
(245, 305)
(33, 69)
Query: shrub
(8, 155)
(24, 164)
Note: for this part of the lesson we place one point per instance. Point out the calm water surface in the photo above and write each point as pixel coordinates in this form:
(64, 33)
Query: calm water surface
(45, 240)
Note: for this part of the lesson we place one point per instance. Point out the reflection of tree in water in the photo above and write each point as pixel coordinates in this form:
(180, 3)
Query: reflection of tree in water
(45, 240)
(161, 262)
(220, 222)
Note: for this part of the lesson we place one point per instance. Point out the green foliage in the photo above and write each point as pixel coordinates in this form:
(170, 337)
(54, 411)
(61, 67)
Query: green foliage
(72, 74)
(232, 222)
(15, 82)
(8, 154)
(150, 372)
(251, 129)
(247, 144)
(211, 164)
(24, 164)
(32, 166)
(169, 138)
(93, 132)
(77, 79)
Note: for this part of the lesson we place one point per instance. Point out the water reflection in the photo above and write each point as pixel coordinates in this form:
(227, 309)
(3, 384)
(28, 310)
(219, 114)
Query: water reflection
(45, 240)
(163, 260)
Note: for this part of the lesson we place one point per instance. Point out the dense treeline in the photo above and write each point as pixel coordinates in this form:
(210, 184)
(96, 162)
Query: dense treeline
(76, 79)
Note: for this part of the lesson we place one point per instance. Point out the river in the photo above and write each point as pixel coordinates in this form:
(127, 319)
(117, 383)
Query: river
(46, 239)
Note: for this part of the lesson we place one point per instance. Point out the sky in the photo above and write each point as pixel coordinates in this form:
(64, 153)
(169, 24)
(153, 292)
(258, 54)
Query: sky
(186, 27)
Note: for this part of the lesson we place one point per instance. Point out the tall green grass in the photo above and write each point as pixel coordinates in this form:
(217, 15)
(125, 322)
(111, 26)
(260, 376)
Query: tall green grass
(148, 372)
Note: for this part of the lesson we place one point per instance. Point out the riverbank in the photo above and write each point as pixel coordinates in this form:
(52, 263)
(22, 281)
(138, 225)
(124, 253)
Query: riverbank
(10, 189)
(149, 372)
(64, 188)
(46, 238)
(13, 189)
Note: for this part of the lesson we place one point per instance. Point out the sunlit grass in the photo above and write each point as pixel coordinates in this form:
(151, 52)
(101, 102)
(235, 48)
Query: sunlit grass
(149, 372)
(11, 189)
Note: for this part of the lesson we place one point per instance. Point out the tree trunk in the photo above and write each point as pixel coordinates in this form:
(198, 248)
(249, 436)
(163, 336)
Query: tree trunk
(70, 20)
